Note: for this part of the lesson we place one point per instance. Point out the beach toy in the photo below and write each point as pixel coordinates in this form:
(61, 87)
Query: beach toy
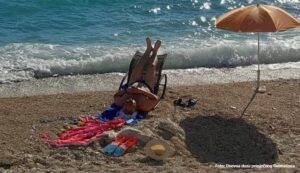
(109, 149)
(125, 146)
(158, 149)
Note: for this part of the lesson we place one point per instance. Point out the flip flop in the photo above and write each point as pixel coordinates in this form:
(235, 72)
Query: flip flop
(191, 102)
(120, 150)
(180, 102)
(185, 103)
(110, 148)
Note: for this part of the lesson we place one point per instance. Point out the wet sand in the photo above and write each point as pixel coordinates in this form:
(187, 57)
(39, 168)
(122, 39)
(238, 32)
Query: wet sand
(268, 134)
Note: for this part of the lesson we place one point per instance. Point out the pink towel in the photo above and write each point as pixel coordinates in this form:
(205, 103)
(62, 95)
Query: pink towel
(85, 134)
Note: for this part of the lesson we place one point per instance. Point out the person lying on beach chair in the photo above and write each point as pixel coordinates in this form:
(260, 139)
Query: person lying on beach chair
(138, 95)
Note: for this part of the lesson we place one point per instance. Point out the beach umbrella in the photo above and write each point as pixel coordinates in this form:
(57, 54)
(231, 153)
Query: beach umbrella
(257, 18)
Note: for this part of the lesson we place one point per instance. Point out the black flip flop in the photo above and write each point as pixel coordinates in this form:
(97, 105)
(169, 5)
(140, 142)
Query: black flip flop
(191, 102)
(185, 104)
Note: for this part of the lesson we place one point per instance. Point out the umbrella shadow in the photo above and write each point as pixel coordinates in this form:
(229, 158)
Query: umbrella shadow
(227, 141)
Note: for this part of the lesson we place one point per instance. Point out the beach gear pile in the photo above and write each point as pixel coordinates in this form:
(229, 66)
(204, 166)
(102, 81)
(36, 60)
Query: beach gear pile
(110, 121)
(90, 129)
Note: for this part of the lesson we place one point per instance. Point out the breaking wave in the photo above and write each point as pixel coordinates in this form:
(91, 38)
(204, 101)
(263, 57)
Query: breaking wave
(22, 61)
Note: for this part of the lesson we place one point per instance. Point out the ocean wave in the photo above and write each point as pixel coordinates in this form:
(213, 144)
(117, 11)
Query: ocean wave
(20, 62)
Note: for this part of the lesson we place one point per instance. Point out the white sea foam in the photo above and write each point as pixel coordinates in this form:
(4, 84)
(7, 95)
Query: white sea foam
(154, 10)
(179, 77)
(203, 19)
(206, 5)
(194, 23)
(20, 62)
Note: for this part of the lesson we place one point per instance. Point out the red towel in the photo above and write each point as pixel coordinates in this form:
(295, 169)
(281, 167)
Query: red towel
(85, 134)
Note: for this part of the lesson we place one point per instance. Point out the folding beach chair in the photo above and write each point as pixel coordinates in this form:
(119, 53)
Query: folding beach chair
(161, 78)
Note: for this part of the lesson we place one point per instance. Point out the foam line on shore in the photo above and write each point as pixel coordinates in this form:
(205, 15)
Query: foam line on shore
(179, 77)
(20, 62)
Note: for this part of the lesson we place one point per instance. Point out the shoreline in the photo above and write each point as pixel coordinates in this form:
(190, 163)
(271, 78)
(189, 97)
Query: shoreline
(272, 118)
(178, 77)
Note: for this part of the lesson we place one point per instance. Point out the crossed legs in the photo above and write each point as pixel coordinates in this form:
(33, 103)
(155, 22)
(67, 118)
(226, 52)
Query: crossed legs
(150, 77)
(137, 72)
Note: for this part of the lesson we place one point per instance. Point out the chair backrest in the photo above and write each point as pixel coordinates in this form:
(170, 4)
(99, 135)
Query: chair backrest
(161, 59)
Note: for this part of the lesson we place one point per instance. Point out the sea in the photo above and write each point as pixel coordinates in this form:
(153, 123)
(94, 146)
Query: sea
(52, 46)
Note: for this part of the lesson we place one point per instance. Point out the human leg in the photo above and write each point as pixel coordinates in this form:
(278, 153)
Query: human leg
(120, 97)
(151, 77)
(137, 71)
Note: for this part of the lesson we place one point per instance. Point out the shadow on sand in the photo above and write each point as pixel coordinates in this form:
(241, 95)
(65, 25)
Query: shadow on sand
(227, 141)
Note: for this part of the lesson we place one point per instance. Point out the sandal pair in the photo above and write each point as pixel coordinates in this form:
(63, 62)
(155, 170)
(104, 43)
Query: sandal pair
(120, 145)
(185, 103)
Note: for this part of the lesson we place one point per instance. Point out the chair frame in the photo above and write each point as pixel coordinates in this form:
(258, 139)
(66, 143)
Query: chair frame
(160, 77)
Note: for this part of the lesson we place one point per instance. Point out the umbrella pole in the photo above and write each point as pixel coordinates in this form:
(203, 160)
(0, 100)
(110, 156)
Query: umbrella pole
(258, 77)
(258, 62)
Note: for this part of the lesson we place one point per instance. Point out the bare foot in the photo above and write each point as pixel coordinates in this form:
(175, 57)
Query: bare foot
(157, 46)
(149, 46)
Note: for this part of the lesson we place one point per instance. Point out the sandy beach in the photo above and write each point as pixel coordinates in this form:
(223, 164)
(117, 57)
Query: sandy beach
(214, 135)
(61, 60)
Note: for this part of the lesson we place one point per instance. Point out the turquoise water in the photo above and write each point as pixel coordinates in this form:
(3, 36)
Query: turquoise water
(42, 38)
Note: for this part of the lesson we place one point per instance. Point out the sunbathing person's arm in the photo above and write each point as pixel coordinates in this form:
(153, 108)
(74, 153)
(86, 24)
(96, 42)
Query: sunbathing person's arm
(134, 90)
(120, 97)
